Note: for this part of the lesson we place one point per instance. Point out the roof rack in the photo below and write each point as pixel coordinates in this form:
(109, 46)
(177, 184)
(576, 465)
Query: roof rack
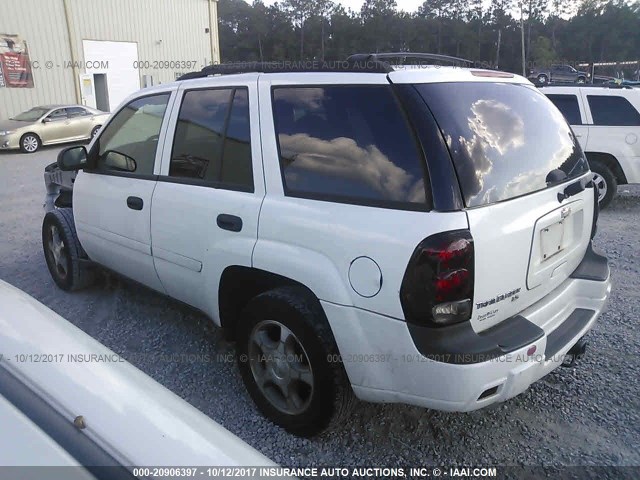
(583, 85)
(372, 57)
(357, 66)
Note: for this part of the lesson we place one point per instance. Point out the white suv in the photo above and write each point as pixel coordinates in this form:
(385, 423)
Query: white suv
(419, 235)
(606, 121)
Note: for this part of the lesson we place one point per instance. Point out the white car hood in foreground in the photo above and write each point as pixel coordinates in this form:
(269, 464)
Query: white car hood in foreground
(128, 414)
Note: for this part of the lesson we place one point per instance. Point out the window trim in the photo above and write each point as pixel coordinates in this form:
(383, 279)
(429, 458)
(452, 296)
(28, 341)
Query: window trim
(209, 183)
(344, 199)
(593, 121)
(161, 139)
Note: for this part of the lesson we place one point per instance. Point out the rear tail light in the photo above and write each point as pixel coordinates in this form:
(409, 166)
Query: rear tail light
(437, 288)
(596, 210)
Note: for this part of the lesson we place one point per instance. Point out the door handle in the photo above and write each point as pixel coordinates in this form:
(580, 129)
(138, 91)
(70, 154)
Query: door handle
(135, 203)
(229, 222)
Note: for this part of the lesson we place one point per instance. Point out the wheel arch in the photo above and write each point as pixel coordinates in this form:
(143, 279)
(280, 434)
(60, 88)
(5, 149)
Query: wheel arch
(31, 133)
(239, 284)
(611, 162)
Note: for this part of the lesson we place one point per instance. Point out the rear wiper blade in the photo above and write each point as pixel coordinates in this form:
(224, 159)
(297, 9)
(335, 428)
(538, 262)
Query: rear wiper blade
(572, 189)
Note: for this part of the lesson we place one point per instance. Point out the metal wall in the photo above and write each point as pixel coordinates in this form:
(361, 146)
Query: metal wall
(165, 31)
(41, 24)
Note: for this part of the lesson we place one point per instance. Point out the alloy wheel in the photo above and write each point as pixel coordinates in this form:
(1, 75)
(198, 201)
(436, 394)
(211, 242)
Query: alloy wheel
(601, 185)
(30, 143)
(280, 367)
(57, 252)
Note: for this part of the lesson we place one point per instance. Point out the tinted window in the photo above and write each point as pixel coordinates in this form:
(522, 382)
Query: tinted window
(504, 138)
(612, 110)
(132, 135)
(568, 105)
(347, 143)
(59, 114)
(212, 143)
(76, 112)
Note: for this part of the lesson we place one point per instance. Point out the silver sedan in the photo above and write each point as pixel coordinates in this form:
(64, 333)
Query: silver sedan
(49, 125)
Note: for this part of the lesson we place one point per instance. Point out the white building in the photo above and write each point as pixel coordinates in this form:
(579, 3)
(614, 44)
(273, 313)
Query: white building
(96, 52)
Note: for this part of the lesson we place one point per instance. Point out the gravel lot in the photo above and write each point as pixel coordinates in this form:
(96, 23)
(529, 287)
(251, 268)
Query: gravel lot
(589, 415)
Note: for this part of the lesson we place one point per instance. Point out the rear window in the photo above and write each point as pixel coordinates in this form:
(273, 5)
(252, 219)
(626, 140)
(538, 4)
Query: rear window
(612, 111)
(504, 138)
(348, 144)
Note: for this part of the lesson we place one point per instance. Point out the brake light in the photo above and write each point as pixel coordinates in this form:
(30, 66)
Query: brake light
(437, 288)
(596, 210)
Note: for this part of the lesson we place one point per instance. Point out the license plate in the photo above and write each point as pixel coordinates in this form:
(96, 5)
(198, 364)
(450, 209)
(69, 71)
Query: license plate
(551, 240)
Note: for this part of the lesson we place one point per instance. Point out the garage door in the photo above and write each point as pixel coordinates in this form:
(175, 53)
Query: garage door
(117, 61)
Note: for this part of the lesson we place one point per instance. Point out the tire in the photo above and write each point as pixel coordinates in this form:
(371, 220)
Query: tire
(94, 131)
(314, 404)
(63, 253)
(581, 80)
(30, 143)
(604, 180)
(542, 79)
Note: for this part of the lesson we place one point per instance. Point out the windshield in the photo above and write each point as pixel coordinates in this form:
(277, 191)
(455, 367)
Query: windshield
(506, 140)
(31, 115)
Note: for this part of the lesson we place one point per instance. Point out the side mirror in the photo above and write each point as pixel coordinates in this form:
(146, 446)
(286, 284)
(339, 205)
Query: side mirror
(72, 158)
(46, 120)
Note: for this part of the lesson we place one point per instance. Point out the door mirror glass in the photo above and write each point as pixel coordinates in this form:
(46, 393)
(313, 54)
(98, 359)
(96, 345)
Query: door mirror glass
(46, 120)
(118, 161)
(72, 158)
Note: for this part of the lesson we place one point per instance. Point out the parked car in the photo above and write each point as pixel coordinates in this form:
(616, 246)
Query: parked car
(362, 230)
(606, 121)
(558, 73)
(50, 125)
(67, 400)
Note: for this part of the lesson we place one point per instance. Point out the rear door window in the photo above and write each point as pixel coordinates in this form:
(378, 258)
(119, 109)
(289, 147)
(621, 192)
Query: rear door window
(612, 111)
(212, 141)
(505, 139)
(568, 105)
(348, 144)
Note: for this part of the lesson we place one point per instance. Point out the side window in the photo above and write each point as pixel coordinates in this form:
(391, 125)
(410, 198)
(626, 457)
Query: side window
(59, 114)
(568, 105)
(74, 112)
(129, 141)
(212, 139)
(348, 144)
(613, 111)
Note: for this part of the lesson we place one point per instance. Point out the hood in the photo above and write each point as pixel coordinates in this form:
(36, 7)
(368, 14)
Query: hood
(13, 124)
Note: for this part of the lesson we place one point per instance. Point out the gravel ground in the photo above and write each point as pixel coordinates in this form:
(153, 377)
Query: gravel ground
(588, 415)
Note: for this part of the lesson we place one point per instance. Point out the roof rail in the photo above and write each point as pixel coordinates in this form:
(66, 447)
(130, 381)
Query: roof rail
(368, 57)
(583, 85)
(353, 66)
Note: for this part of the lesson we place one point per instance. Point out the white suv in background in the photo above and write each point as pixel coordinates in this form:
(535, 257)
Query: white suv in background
(606, 121)
(419, 236)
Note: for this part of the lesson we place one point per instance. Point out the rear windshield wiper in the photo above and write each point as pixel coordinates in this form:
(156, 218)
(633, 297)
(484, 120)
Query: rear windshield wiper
(572, 189)
(557, 176)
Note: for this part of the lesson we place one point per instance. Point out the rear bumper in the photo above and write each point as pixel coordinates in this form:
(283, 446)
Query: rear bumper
(385, 365)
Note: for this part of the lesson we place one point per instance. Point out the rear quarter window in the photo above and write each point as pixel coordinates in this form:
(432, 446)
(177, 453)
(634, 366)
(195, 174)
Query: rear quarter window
(612, 111)
(348, 144)
(504, 138)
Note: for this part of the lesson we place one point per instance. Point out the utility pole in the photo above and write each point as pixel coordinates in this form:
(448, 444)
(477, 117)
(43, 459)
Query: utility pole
(524, 62)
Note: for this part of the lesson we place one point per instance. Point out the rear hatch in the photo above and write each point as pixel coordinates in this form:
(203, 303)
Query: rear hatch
(522, 176)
